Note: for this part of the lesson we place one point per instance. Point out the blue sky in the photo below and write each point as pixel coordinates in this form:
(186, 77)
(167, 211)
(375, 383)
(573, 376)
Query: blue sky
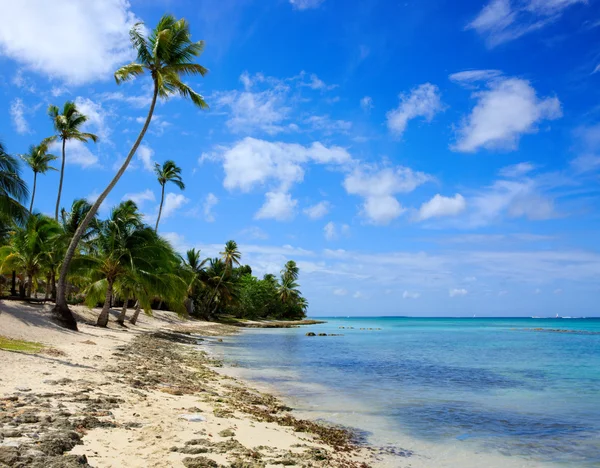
(414, 158)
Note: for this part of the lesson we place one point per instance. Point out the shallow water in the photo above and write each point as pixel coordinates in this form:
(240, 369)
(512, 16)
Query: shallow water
(443, 387)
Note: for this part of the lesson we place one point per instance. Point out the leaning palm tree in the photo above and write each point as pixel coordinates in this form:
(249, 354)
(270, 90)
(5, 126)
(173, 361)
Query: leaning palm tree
(290, 270)
(38, 159)
(166, 55)
(13, 191)
(67, 126)
(168, 172)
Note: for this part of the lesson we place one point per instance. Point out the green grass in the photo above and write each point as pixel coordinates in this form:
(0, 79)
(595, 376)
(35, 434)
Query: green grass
(8, 344)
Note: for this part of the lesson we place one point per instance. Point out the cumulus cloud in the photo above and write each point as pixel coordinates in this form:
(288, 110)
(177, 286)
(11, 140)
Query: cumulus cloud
(423, 101)
(100, 26)
(440, 206)
(366, 103)
(17, 114)
(332, 231)
(96, 117)
(505, 20)
(278, 205)
(378, 187)
(306, 4)
(318, 210)
(252, 163)
(77, 153)
(410, 295)
(140, 198)
(508, 109)
(173, 201)
(209, 203)
(145, 154)
(458, 292)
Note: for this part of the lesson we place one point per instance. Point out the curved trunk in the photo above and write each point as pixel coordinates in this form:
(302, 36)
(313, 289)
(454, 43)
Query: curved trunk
(162, 199)
(60, 184)
(123, 314)
(33, 193)
(103, 317)
(136, 314)
(62, 311)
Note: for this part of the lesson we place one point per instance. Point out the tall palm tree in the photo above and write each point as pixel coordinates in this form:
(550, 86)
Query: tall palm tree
(38, 159)
(230, 256)
(288, 290)
(290, 270)
(166, 55)
(13, 190)
(196, 274)
(168, 172)
(67, 126)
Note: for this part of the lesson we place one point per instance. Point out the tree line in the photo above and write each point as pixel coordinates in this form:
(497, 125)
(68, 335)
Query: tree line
(78, 257)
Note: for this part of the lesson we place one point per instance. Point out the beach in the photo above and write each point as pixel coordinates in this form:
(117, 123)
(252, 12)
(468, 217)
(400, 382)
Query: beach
(144, 396)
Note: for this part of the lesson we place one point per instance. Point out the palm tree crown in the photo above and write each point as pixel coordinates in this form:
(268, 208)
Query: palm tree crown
(231, 255)
(166, 54)
(13, 190)
(168, 172)
(38, 159)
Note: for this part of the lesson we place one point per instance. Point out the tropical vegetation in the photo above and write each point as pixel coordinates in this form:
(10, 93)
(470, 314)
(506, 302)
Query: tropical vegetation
(121, 261)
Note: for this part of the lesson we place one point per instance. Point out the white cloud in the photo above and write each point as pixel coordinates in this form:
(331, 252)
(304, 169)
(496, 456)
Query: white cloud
(306, 4)
(442, 206)
(588, 145)
(138, 102)
(340, 292)
(21, 81)
(89, 39)
(254, 232)
(256, 110)
(458, 292)
(378, 187)
(360, 295)
(366, 103)
(145, 154)
(328, 126)
(17, 113)
(505, 20)
(209, 203)
(504, 112)
(278, 205)
(140, 198)
(517, 170)
(157, 126)
(253, 162)
(512, 198)
(173, 201)
(410, 295)
(317, 211)
(77, 153)
(330, 231)
(316, 83)
(96, 117)
(470, 76)
(423, 101)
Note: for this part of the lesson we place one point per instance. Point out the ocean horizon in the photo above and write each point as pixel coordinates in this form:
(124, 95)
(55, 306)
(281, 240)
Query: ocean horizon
(461, 391)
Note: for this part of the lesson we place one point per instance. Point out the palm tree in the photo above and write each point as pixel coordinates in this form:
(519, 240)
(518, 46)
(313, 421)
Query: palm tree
(28, 247)
(166, 55)
(288, 290)
(13, 191)
(38, 159)
(290, 271)
(67, 127)
(230, 256)
(196, 274)
(168, 172)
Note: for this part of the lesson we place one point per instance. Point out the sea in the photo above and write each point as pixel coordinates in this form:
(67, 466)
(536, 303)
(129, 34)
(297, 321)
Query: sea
(440, 392)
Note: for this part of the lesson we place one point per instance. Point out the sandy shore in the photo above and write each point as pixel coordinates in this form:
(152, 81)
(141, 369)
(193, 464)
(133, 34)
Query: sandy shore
(145, 396)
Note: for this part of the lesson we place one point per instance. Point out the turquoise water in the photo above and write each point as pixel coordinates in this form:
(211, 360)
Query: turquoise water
(458, 386)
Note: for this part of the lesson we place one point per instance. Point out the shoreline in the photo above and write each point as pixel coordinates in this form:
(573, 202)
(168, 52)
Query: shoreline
(120, 397)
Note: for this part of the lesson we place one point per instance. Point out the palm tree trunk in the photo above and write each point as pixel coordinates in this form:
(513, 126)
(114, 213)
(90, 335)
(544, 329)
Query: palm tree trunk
(136, 314)
(48, 284)
(53, 281)
(121, 319)
(29, 283)
(64, 314)
(103, 317)
(13, 285)
(60, 184)
(162, 199)
(33, 194)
